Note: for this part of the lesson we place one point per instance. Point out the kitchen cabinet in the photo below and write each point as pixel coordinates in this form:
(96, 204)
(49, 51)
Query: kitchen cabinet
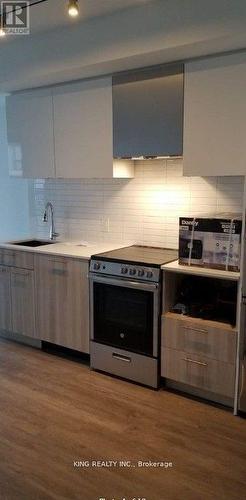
(203, 337)
(215, 116)
(5, 299)
(45, 297)
(22, 300)
(200, 372)
(17, 310)
(63, 132)
(30, 134)
(83, 129)
(198, 356)
(62, 301)
(16, 258)
(148, 112)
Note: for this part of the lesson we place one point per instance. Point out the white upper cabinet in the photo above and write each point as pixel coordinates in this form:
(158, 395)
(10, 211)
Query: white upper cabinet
(64, 132)
(83, 129)
(215, 116)
(30, 134)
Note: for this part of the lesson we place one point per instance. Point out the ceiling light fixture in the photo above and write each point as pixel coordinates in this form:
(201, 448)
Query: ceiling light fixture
(73, 8)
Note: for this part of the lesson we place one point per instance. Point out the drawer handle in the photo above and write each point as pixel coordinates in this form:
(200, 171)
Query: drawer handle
(199, 330)
(59, 272)
(120, 357)
(188, 360)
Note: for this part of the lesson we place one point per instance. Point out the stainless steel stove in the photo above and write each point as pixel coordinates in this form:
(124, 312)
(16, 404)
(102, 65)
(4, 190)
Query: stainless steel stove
(125, 297)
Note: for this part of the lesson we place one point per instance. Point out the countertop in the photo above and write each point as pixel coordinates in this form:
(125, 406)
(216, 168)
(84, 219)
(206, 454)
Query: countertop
(200, 271)
(77, 250)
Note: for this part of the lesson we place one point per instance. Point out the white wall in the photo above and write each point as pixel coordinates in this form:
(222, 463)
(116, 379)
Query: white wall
(14, 207)
(142, 210)
(155, 32)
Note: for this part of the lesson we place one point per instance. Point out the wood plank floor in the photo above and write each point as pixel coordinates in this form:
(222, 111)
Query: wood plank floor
(54, 411)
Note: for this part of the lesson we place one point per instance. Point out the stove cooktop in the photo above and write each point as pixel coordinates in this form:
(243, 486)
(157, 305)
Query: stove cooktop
(139, 255)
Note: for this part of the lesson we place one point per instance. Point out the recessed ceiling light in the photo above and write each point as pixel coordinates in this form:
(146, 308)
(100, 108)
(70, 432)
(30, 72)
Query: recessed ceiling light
(73, 8)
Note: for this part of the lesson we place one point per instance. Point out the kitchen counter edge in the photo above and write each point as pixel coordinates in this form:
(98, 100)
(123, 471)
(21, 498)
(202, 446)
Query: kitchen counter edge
(64, 249)
(201, 271)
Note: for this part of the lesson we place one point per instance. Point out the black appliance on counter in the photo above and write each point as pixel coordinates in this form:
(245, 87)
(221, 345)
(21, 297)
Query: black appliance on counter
(125, 309)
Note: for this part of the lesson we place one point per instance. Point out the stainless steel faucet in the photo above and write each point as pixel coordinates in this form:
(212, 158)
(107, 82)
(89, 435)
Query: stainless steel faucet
(49, 207)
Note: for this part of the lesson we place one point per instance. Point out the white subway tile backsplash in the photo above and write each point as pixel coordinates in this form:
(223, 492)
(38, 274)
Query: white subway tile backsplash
(143, 210)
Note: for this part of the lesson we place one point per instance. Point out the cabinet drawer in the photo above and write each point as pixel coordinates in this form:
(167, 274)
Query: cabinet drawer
(198, 371)
(12, 258)
(127, 365)
(211, 339)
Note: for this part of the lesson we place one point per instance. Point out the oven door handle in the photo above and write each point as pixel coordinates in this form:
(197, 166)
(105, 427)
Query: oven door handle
(125, 283)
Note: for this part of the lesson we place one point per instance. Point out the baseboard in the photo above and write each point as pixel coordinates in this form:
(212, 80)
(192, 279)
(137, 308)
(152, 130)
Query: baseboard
(201, 394)
(22, 339)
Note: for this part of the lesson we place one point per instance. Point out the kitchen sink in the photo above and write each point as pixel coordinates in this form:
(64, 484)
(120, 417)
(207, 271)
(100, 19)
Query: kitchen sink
(33, 243)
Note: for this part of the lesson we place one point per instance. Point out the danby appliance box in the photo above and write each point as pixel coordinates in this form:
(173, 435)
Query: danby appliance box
(212, 242)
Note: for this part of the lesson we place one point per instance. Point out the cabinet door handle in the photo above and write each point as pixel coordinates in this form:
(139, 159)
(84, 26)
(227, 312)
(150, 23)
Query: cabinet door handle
(120, 357)
(2, 270)
(188, 360)
(19, 274)
(192, 329)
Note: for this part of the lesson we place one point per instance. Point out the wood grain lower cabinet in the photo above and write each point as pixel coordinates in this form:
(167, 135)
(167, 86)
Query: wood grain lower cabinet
(15, 258)
(62, 301)
(209, 338)
(5, 299)
(199, 353)
(22, 298)
(199, 371)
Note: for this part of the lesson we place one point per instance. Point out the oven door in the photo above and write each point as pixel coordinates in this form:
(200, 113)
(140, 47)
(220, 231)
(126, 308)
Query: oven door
(125, 314)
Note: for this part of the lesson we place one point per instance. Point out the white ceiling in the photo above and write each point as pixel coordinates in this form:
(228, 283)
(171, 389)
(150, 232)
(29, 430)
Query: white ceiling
(125, 34)
(53, 13)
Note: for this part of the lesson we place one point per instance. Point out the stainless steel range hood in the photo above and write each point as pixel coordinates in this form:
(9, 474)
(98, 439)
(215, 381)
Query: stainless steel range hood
(148, 113)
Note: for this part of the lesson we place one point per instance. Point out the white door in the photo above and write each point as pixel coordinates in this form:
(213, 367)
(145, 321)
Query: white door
(83, 129)
(30, 134)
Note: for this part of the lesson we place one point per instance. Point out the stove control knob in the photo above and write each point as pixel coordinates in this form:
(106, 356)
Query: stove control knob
(124, 270)
(140, 272)
(97, 266)
(132, 272)
(149, 274)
